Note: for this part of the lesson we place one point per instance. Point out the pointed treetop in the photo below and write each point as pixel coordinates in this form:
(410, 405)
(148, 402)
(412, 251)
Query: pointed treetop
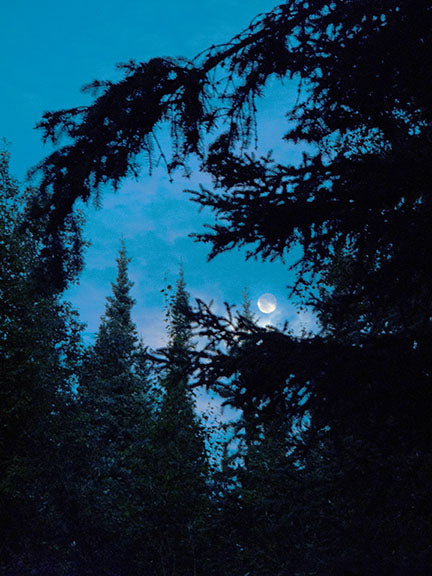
(121, 303)
(179, 325)
(246, 306)
(117, 328)
(178, 312)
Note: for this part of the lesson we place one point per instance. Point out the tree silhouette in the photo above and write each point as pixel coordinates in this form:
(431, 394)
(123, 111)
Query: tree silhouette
(181, 494)
(358, 206)
(40, 347)
(117, 418)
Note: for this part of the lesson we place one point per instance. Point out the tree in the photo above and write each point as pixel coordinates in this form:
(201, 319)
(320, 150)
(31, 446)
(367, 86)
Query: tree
(117, 416)
(181, 493)
(358, 204)
(40, 347)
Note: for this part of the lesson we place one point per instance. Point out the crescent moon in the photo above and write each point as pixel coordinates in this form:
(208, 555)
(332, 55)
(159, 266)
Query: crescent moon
(267, 303)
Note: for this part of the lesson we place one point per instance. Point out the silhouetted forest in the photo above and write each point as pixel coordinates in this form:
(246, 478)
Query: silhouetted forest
(105, 467)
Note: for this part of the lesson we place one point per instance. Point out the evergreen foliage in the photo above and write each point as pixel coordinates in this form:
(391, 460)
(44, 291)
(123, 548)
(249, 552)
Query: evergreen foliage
(181, 495)
(117, 418)
(39, 348)
(335, 475)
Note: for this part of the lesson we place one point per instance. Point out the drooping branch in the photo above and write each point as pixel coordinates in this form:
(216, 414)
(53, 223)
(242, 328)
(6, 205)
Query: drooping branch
(250, 364)
(367, 143)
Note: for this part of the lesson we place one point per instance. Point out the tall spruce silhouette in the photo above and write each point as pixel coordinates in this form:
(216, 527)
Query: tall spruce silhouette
(116, 405)
(39, 348)
(181, 494)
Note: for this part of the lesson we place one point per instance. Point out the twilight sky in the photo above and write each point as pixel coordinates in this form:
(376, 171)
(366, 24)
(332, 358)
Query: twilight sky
(50, 49)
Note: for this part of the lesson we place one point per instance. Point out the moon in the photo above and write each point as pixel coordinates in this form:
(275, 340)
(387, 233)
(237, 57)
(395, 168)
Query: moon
(267, 303)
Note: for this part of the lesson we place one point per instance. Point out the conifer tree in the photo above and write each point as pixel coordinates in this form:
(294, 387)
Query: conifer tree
(181, 490)
(116, 344)
(114, 382)
(39, 348)
(116, 406)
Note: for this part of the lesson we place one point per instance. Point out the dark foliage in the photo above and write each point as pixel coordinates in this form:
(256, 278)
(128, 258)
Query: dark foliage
(40, 348)
(366, 120)
(337, 426)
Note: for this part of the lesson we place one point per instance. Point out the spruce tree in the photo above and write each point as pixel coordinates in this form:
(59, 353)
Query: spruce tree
(181, 465)
(114, 362)
(39, 352)
(115, 402)
(116, 344)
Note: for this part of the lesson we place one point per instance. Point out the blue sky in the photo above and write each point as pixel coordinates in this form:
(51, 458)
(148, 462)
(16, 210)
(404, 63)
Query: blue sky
(50, 49)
